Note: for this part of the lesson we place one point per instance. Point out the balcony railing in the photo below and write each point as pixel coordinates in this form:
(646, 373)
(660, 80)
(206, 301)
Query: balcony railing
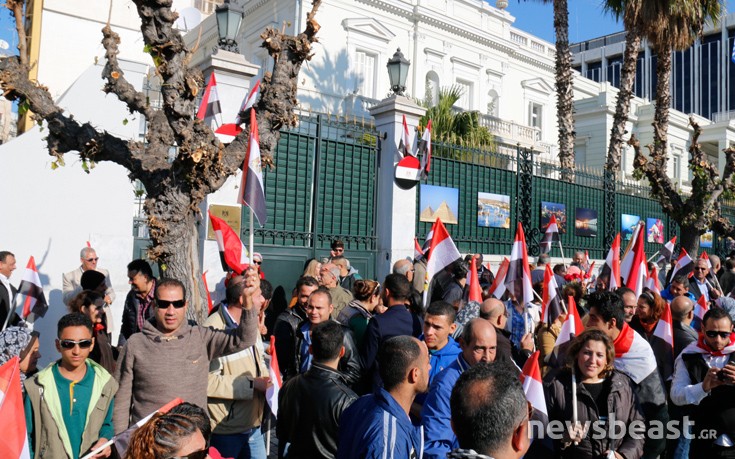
(510, 131)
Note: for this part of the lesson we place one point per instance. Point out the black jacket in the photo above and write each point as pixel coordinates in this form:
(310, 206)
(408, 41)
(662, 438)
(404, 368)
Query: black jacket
(684, 335)
(129, 323)
(350, 364)
(6, 306)
(310, 406)
(285, 333)
(507, 352)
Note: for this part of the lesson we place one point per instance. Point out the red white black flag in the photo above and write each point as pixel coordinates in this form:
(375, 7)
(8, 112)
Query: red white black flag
(550, 236)
(232, 252)
(667, 251)
(611, 268)
(210, 106)
(404, 146)
(518, 279)
(30, 302)
(252, 191)
(425, 150)
(551, 301)
(634, 268)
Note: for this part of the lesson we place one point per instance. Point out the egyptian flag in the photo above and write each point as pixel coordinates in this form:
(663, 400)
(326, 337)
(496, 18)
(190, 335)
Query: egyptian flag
(425, 150)
(14, 440)
(551, 235)
(249, 101)
(551, 302)
(232, 252)
(684, 265)
(475, 291)
(652, 281)
(30, 302)
(443, 252)
(633, 355)
(518, 279)
(663, 341)
(666, 252)
(274, 372)
(227, 132)
(417, 250)
(122, 440)
(701, 347)
(533, 387)
(611, 268)
(589, 271)
(404, 146)
(252, 191)
(210, 106)
(427, 242)
(497, 289)
(571, 327)
(700, 309)
(634, 268)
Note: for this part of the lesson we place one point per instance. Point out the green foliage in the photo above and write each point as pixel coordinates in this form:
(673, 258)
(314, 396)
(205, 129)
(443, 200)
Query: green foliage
(23, 107)
(455, 127)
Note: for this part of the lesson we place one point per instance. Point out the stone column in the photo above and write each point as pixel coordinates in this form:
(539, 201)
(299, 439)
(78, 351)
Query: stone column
(396, 212)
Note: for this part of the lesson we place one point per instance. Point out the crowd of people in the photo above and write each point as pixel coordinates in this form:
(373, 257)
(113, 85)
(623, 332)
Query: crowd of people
(374, 369)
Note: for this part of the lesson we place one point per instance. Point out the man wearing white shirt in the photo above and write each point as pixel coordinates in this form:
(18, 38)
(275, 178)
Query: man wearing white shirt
(704, 375)
(72, 283)
(7, 291)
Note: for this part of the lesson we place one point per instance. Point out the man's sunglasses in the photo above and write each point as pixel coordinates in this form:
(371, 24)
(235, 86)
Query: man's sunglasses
(164, 304)
(258, 262)
(70, 343)
(195, 455)
(93, 259)
(713, 334)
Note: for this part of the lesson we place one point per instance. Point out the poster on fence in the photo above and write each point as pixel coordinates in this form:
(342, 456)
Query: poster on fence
(585, 222)
(556, 209)
(493, 210)
(627, 225)
(439, 202)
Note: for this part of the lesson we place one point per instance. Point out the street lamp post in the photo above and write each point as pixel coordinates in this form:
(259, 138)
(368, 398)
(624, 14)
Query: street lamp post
(229, 18)
(398, 72)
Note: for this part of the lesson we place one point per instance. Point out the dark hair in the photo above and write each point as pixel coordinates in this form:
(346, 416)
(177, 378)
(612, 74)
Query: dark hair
(336, 244)
(161, 436)
(85, 298)
(416, 303)
(609, 306)
(266, 289)
(620, 291)
(196, 414)
(654, 301)
(74, 319)
(484, 417)
(234, 292)
(442, 308)
(4, 254)
(716, 314)
(170, 283)
(306, 280)
(398, 286)
(558, 269)
(459, 270)
(681, 279)
(91, 279)
(396, 355)
(322, 291)
(326, 341)
(575, 289)
(363, 289)
(592, 335)
(543, 259)
(141, 266)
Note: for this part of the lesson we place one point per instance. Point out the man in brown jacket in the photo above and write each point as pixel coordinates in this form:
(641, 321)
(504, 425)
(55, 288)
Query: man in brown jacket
(170, 358)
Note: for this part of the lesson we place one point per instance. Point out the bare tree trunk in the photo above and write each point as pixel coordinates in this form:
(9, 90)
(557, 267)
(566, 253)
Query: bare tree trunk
(622, 106)
(663, 102)
(689, 239)
(564, 95)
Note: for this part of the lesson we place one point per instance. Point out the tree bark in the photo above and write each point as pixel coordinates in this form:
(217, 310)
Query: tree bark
(663, 104)
(689, 239)
(622, 106)
(564, 95)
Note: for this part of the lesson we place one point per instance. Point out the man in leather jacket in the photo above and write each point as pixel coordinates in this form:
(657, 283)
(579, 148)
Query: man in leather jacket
(311, 404)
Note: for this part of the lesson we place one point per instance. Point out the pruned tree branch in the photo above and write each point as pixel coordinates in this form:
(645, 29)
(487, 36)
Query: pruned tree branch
(16, 8)
(655, 171)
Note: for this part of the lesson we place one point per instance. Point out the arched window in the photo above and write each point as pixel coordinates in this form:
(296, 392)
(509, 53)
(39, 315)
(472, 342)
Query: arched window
(493, 101)
(432, 87)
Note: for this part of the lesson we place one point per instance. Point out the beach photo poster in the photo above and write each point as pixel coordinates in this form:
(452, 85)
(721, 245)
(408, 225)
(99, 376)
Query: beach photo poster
(493, 210)
(585, 222)
(558, 210)
(627, 225)
(439, 202)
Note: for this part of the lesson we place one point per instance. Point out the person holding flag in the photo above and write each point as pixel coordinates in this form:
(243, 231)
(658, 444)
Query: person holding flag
(597, 392)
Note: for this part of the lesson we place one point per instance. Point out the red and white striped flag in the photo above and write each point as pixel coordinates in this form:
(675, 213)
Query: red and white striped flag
(701, 308)
(652, 280)
(611, 268)
(533, 386)
(404, 146)
(497, 289)
(571, 327)
(684, 265)
(249, 101)
(14, 440)
(551, 303)
(271, 394)
(443, 252)
(210, 107)
(634, 268)
(664, 331)
(427, 243)
(475, 291)
(705, 257)
(550, 236)
(122, 440)
(30, 302)
(667, 251)
(518, 279)
(418, 252)
(425, 150)
(252, 191)
(232, 252)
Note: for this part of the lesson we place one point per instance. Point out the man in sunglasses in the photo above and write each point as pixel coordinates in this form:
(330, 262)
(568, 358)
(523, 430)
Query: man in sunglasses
(699, 284)
(72, 282)
(704, 379)
(68, 407)
(170, 358)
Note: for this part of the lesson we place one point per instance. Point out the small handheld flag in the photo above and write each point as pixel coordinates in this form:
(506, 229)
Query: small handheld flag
(30, 303)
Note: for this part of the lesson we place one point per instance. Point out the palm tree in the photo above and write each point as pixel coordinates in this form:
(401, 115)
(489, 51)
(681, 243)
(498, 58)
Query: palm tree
(564, 90)
(451, 126)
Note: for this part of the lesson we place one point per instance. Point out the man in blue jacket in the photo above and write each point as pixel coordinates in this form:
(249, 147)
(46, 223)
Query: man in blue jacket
(377, 425)
(479, 344)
